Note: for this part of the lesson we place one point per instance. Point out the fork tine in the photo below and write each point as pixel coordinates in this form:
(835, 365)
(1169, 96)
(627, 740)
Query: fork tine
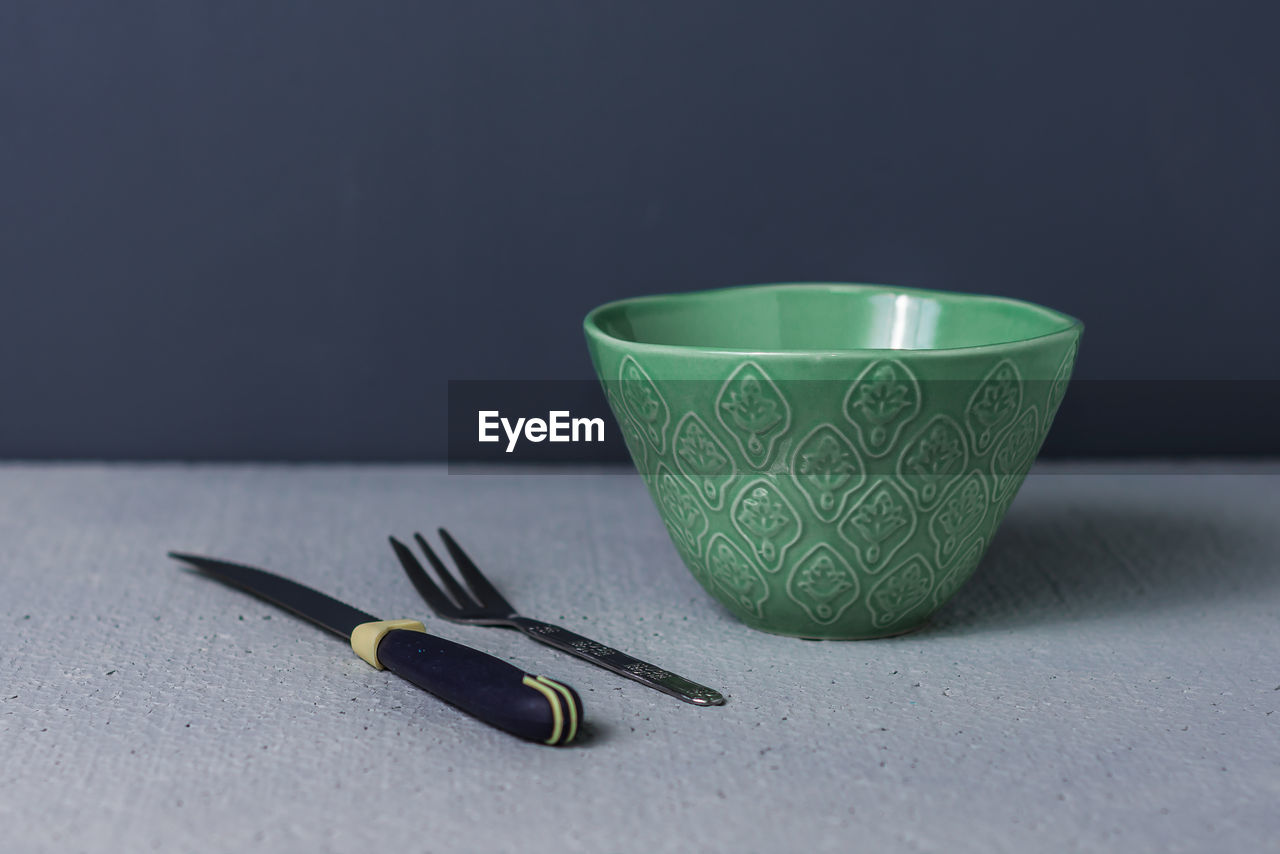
(460, 594)
(485, 592)
(434, 595)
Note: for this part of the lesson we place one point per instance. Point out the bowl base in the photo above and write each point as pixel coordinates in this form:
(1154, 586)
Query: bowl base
(875, 636)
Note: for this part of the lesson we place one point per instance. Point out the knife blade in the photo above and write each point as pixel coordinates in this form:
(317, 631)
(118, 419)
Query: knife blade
(487, 688)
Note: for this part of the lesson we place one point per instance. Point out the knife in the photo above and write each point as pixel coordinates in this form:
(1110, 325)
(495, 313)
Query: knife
(500, 694)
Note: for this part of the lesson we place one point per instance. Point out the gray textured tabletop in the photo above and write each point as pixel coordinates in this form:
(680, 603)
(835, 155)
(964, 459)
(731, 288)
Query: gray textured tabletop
(1109, 679)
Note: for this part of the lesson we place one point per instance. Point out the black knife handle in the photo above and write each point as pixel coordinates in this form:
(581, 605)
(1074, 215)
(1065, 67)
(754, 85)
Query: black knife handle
(487, 688)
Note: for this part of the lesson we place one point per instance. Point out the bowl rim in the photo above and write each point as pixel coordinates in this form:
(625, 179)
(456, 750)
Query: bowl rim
(591, 326)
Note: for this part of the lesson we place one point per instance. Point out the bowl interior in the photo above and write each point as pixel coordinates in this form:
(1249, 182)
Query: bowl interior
(818, 317)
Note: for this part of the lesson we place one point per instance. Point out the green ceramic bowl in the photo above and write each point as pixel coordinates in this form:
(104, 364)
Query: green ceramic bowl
(832, 460)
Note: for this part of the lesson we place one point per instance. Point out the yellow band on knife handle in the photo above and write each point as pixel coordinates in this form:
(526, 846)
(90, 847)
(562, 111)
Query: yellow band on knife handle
(571, 706)
(564, 709)
(366, 636)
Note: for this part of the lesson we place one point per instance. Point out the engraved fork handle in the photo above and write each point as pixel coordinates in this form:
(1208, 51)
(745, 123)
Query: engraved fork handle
(619, 662)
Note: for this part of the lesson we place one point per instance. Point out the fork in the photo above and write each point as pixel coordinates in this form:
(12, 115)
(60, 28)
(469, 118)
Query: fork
(483, 605)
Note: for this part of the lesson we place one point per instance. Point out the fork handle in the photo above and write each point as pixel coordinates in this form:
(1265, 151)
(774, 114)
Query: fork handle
(500, 694)
(619, 662)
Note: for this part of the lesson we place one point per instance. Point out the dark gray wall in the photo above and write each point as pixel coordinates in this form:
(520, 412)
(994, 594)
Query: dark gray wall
(275, 229)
